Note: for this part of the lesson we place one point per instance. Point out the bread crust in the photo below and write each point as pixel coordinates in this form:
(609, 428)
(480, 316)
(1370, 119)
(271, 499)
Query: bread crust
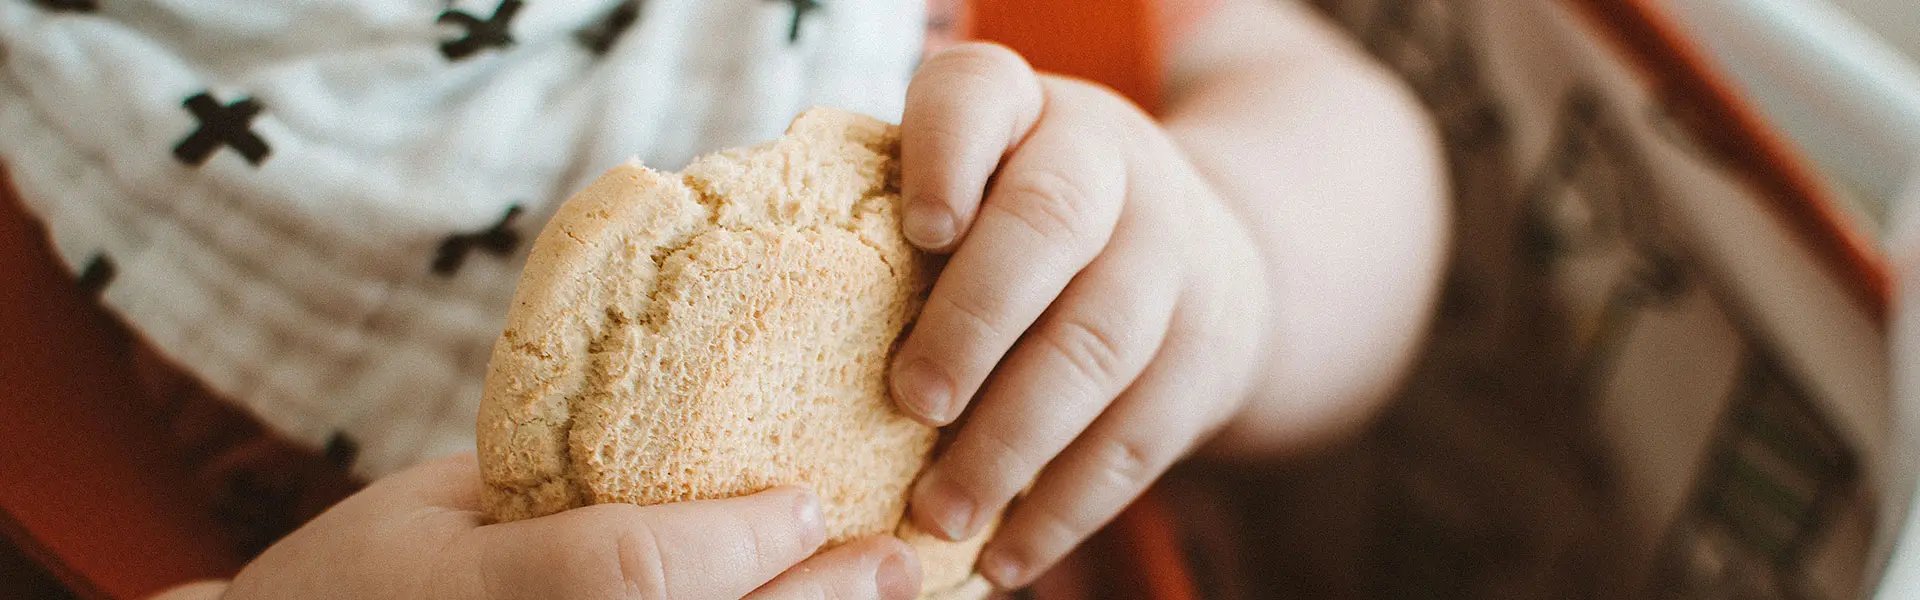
(718, 332)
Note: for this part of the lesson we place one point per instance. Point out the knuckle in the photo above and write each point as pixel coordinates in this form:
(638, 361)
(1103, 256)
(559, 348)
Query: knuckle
(1129, 463)
(816, 590)
(1000, 466)
(1052, 526)
(1124, 124)
(1207, 412)
(985, 61)
(976, 313)
(1092, 351)
(642, 564)
(942, 135)
(764, 542)
(1051, 205)
(945, 137)
(1128, 113)
(784, 590)
(1092, 96)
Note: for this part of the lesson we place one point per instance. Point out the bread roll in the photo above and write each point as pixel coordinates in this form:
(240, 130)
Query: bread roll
(718, 332)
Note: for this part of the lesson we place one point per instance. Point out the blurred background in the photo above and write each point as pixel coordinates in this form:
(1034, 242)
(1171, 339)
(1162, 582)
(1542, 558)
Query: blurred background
(1838, 76)
(1633, 389)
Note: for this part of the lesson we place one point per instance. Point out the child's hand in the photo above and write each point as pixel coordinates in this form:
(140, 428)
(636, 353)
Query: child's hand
(1115, 300)
(419, 535)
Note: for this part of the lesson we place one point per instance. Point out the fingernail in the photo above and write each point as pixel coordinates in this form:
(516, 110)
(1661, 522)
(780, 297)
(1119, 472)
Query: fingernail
(898, 576)
(806, 514)
(924, 390)
(1001, 570)
(927, 224)
(950, 509)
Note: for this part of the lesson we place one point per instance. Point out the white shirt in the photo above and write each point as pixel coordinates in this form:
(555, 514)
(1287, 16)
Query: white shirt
(340, 262)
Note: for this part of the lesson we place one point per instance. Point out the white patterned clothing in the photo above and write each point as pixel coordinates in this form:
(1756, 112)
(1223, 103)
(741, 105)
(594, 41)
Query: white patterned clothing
(318, 208)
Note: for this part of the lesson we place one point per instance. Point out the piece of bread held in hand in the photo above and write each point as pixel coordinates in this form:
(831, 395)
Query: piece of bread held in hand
(717, 332)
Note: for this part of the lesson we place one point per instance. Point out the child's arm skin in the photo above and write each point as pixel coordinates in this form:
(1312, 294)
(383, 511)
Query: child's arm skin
(1338, 170)
(1259, 262)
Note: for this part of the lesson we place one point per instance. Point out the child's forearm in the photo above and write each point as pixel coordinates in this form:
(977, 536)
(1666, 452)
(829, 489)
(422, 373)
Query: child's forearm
(1338, 174)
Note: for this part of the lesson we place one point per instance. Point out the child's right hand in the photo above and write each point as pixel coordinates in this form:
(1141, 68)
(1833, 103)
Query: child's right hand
(419, 535)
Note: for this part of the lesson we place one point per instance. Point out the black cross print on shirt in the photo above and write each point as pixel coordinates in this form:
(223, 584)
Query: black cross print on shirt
(69, 5)
(800, 10)
(600, 36)
(221, 126)
(341, 450)
(96, 275)
(497, 240)
(480, 35)
(940, 24)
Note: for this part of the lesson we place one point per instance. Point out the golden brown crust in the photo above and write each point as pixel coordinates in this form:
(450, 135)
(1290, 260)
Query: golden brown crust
(716, 333)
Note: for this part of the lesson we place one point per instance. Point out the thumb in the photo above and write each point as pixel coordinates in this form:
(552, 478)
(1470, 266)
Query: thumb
(703, 549)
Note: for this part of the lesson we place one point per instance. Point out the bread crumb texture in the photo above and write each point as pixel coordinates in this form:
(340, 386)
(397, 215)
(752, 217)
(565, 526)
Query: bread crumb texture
(718, 332)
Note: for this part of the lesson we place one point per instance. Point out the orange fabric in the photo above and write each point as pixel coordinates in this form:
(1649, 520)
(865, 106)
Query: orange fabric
(1150, 540)
(85, 489)
(1113, 42)
(1715, 113)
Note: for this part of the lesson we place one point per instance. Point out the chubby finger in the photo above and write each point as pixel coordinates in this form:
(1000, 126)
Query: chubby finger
(1176, 402)
(966, 106)
(703, 549)
(1056, 381)
(1052, 208)
(878, 568)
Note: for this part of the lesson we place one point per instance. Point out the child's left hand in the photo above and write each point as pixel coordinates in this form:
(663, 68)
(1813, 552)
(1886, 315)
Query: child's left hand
(1116, 301)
